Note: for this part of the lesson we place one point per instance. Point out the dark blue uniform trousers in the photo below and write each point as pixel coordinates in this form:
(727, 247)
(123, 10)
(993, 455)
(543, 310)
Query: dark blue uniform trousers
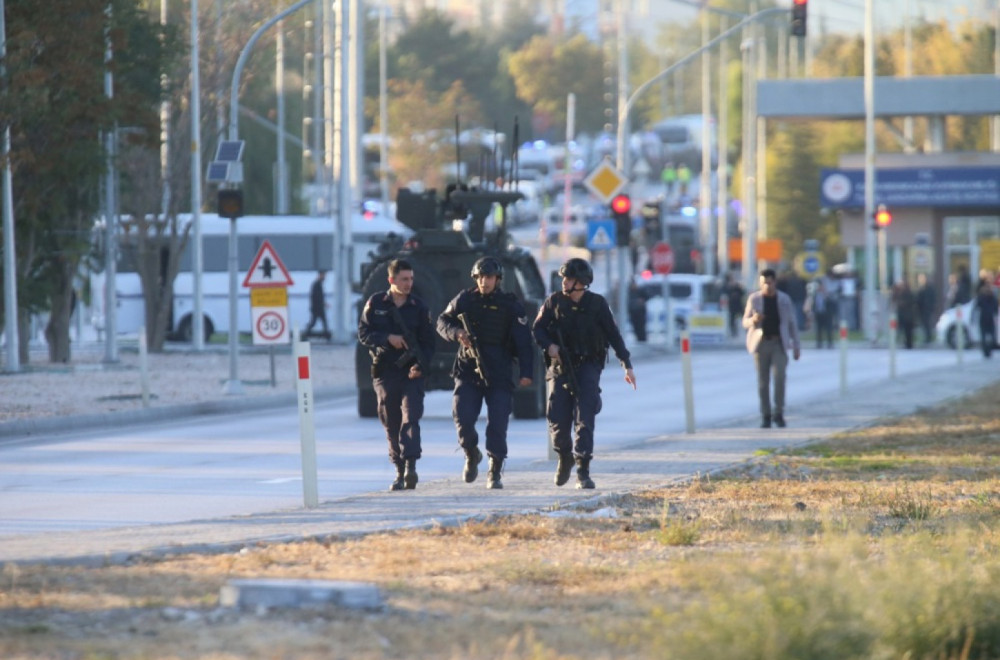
(400, 407)
(467, 403)
(566, 413)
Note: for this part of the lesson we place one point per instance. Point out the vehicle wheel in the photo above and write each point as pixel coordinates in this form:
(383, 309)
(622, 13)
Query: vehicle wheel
(951, 337)
(367, 403)
(185, 330)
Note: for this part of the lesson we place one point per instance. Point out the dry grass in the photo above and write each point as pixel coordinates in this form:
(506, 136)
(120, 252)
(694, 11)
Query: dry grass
(881, 543)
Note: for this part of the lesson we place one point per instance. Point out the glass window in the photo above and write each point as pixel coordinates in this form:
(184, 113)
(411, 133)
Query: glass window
(296, 252)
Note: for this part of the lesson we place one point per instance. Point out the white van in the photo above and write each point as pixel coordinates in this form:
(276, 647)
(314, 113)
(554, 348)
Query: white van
(695, 302)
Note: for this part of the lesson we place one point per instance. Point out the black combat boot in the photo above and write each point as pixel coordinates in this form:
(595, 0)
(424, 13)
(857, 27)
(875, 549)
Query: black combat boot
(398, 483)
(583, 479)
(493, 479)
(564, 469)
(473, 457)
(410, 475)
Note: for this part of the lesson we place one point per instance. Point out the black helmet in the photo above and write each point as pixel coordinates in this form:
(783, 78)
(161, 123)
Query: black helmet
(579, 270)
(487, 266)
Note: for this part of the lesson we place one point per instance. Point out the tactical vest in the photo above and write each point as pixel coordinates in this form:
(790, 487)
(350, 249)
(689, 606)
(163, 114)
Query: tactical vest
(490, 318)
(580, 328)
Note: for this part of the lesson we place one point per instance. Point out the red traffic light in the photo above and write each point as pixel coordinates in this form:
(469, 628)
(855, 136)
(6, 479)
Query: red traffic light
(621, 204)
(798, 27)
(882, 216)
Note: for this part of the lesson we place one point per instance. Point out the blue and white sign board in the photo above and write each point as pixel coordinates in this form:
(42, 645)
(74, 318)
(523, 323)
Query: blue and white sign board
(600, 234)
(903, 187)
(811, 264)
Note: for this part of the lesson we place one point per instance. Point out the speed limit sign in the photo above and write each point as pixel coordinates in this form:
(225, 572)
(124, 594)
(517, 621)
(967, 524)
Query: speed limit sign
(270, 325)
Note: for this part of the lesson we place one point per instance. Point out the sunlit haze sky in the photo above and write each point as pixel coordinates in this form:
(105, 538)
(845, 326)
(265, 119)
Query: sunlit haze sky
(825, 16)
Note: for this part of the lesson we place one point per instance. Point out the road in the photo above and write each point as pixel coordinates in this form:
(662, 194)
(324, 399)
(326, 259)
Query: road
(201, 468)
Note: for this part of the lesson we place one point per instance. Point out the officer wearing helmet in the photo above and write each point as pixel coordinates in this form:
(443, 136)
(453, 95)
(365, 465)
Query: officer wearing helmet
(576, 325)
(496, 327)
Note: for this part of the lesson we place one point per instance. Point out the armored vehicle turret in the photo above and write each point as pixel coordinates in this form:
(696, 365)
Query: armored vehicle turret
(442, 258)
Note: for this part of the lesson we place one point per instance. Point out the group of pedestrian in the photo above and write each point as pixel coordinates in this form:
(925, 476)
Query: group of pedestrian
(574, 329)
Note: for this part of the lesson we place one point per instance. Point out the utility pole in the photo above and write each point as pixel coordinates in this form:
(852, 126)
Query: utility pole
(13, 363)
(871, 295)
(110, 239)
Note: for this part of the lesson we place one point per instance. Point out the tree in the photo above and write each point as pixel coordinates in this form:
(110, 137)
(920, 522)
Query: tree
(57, 109)
(427, 120)
(545, 71)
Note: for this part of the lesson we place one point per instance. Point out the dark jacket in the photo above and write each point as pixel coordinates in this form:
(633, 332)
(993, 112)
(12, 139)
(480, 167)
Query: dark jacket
(500, 326)
(588, 327)
(377, 323)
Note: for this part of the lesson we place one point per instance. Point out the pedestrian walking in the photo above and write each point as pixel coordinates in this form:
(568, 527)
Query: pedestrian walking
(926, 301)
(317, 307)
(906, 310)
(491, 327)
(684, 178)
(669, 178)
(574, 328)
(735, 292)
(986, 310)
(769, 320)
(396, 328)
(821, 309)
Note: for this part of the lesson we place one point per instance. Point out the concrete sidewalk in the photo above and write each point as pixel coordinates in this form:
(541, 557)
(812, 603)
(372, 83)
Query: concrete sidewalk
(655, 462)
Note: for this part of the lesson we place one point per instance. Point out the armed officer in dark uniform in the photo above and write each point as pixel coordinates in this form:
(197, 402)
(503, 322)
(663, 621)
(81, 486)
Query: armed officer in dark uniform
(396, 327)
(574, 328)
(492, 328)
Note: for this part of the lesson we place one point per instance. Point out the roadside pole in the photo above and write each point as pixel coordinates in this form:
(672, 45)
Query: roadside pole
(959, 334)
(893, 324)
(307, 425)
(143, 366)
(843, 357)
(688, 384)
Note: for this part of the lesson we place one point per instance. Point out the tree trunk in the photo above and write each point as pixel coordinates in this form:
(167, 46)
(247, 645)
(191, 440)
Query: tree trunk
(24, 340)
(57, 329)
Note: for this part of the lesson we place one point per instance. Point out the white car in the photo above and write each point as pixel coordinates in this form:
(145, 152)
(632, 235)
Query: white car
(947, 325)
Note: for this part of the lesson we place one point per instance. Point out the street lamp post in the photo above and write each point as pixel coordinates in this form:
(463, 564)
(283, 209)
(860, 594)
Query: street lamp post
(12, 363)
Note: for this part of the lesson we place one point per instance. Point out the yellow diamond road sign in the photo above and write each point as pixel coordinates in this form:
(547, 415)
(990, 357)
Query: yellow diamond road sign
(605, 181)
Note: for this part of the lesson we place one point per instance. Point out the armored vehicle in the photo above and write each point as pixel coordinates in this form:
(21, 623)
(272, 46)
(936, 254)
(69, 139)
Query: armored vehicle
(442, 257)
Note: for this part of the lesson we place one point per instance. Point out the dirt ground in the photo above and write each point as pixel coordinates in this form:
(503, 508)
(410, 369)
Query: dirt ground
(597, 584)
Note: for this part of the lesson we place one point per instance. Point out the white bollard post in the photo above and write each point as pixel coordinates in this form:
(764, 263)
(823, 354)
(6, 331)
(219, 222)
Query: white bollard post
(959, 334)
(307, 425)
(893, 325)
(144, 366)
(843, 357)
(686, 376)
(670, 327)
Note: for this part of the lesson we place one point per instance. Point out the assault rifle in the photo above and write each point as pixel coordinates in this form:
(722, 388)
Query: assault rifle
(413, 351)
(477, 356)
(566, 364)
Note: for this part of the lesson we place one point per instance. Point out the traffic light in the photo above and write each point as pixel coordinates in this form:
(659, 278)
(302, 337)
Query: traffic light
(230, 203)
(883, 218)
(799, 8)
(621, 207)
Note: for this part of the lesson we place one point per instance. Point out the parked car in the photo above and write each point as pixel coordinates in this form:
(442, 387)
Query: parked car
(946, 330)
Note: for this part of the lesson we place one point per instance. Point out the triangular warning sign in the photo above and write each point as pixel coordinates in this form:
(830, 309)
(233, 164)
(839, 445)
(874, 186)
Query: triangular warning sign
(601, 238)
(267, 269)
